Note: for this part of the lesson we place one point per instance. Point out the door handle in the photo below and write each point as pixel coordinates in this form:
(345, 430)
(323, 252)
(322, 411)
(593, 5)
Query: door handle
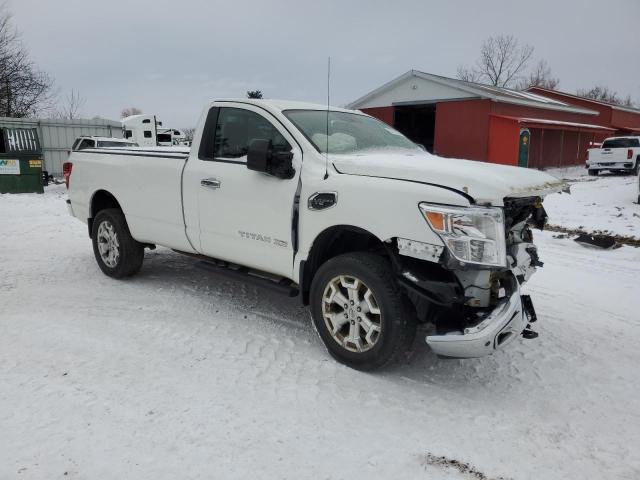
(210, 182)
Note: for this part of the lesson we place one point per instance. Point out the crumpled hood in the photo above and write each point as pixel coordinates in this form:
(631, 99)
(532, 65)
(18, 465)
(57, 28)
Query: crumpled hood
(484, 182)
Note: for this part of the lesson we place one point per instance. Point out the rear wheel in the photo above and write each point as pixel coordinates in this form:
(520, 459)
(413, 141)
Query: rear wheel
(118, 254)
(359, 312)
(593, 173)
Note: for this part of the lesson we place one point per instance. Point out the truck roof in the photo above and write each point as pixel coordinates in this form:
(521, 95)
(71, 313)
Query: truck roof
(280, 105)
(621, 136)
(136, 116)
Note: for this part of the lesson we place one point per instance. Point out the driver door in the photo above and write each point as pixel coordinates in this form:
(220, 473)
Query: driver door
(245, 217)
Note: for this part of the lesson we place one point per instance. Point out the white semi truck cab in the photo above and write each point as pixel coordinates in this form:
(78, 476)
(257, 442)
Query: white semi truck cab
(373, 233)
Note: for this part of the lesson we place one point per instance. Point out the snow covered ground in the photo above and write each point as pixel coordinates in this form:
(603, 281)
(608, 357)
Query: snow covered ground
(607, 202)
(177, 373)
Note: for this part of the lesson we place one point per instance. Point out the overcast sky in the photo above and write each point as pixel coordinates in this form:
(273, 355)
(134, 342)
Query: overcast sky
(170, 57)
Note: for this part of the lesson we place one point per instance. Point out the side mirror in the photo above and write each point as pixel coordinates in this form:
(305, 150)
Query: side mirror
(262, 158)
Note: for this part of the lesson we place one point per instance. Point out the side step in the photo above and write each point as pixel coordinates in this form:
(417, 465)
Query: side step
(243, 274)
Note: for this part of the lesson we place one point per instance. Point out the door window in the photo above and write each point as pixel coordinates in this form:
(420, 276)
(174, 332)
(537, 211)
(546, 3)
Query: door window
(237, 127)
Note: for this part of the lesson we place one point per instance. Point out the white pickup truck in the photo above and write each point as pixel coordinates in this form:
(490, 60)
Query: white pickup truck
(372, 232)
(617, 154)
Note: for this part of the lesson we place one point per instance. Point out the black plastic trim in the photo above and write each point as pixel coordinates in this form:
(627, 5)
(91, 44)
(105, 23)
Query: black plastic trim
(207, 139)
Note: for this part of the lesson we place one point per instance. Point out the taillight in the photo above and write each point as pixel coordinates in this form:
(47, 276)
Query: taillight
(66, 172)
(629, 154)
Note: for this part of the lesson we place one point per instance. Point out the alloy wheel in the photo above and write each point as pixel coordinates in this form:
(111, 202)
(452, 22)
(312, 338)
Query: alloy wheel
(351, 313)
(108, 244)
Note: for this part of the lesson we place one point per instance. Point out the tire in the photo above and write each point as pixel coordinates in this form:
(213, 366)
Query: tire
(117, 253)
(636, 168)
(593, 173)
(362, 280)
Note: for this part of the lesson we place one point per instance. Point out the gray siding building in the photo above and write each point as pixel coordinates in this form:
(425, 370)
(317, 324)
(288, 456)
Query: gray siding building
(57, 135)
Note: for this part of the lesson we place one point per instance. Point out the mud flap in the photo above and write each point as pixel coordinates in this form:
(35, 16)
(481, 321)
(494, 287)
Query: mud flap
(530, 312)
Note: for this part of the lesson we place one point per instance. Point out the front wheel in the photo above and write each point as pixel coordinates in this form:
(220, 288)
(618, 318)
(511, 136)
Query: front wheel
(359, 311)
(593, 173)
(118, 254)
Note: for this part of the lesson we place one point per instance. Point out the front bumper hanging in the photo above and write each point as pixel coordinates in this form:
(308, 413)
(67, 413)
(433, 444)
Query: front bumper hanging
(506, 322)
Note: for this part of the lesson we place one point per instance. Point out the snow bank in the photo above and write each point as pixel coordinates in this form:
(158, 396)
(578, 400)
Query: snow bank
(606, 202)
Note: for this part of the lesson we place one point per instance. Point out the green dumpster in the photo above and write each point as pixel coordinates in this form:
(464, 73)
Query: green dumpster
(20, 161)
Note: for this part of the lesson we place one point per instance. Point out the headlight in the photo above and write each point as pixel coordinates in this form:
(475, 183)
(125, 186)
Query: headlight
(472, 234)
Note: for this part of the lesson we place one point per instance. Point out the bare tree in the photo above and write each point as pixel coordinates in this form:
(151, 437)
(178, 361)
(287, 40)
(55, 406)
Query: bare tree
(605, 94)
(188, 133)
(24, 90)
(540, 76)
(72, 105)
(627, 102)
(469, 75)
(502, 62)
(254, 94)
(127, 112)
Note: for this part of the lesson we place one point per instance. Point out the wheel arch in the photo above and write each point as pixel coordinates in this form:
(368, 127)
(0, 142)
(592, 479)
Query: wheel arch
(100, 200)
(331, 242)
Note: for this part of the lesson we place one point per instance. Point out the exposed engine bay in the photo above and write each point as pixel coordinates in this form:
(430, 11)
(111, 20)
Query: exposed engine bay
(461, 296)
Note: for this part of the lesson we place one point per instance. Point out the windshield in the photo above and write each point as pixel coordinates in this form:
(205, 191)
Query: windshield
(348, 132)
(620, 143)
(108, 144)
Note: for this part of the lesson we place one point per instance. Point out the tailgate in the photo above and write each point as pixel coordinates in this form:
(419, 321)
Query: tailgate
(608, 155)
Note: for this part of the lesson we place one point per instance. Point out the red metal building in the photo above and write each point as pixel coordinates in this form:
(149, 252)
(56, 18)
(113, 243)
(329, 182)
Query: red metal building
(458, 119)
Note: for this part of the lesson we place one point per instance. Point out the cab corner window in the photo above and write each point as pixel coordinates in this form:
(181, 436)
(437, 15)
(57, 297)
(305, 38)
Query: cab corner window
(86, 143)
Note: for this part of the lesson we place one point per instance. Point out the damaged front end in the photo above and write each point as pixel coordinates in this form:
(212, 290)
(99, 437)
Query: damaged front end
(472, 297)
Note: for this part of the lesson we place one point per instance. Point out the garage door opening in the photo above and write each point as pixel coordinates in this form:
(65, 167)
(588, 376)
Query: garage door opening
(418, 122)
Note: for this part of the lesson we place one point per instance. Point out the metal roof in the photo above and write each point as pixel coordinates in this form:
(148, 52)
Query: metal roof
(496, 94)
(585, 99)
(559, 124)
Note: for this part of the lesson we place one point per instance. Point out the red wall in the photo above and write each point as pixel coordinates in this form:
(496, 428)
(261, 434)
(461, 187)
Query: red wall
(625, 119)
(381, 113)
(536, 148)
(608, 117)
(604, 117)
(462, 129)
(466, 129)
(504, 141)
